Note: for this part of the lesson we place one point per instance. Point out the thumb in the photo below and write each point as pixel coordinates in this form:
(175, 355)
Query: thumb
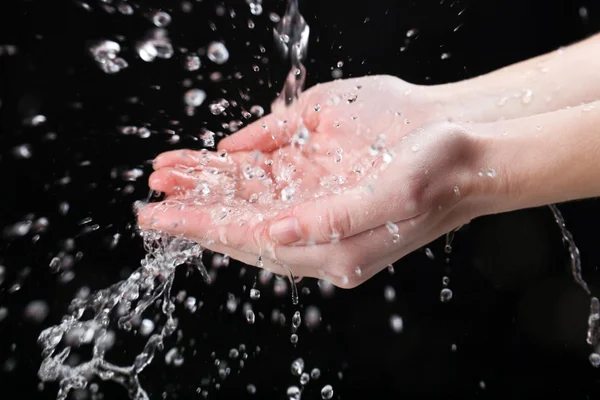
(339, 216)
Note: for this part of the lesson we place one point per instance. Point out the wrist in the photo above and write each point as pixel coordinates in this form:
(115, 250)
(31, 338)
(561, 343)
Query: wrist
(538, 160)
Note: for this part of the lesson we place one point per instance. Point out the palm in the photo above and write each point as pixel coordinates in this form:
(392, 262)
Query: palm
(351, 124)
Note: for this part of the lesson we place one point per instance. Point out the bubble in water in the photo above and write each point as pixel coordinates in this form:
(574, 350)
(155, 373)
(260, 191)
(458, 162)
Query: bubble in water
(396, 323)
(218, 53)
(326, 392)
(161, 19)
(194, 97)
(446, 295)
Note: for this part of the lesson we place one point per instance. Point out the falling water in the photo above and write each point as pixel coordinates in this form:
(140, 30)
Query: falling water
(91, 320)
(291, 38)
(124, 302)
(593, 333)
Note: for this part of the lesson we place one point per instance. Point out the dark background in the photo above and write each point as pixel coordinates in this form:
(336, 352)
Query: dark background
(516, 318)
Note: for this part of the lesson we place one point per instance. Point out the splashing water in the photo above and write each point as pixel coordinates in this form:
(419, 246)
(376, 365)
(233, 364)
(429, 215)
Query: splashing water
(91, 319)
(124, 301)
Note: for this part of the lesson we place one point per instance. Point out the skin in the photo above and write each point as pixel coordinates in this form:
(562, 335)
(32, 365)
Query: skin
(520, 137)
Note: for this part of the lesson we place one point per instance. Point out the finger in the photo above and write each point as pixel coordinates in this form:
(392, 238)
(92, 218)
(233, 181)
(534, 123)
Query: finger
(190, 158)
(351, 261)
(367, 205)
(276, 129)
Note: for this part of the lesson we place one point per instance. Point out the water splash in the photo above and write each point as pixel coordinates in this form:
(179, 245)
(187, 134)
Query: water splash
(124, 302)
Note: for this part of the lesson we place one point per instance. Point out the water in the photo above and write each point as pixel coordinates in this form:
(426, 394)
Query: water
(291, 36)
(123, 302)
(95, 319)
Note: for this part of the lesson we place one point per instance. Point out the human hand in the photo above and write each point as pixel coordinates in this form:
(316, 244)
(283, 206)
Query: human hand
(296, 200)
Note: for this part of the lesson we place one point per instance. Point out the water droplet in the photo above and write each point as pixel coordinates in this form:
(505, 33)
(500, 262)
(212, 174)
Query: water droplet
(411, 32)
(192, 62)
(393, 229)
(302, 136)
(194, 97)
(257, 111)
(254, 294)
(326, 392)
(527, 96)
(389, 293)
(293, 393)
(446, 295)
(161, 19)
(294, 338)
(415, 147)
(287, 194)
(317, 107)
(250, 316)
(396, 323)
(429, 253)
(445, 56)
(296, 320)
(595, 359)
(218, 53)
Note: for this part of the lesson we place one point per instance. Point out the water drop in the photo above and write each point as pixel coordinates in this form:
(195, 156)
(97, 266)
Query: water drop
(161, 19)
(396, 323)
(293, 393)
(254, 294)
(194, 97)
(297, 367)
(446, 295)
(192, 62)
(250, 317)
(218, 53)
(326, 392)
(296, 320)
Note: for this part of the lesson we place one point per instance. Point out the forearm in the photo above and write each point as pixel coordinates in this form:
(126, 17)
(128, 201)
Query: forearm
(564, 78)
(538, 160)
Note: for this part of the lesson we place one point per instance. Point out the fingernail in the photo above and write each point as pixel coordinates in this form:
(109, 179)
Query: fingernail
(285, 231)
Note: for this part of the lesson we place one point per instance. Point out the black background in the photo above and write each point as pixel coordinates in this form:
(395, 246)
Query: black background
(517, 319)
